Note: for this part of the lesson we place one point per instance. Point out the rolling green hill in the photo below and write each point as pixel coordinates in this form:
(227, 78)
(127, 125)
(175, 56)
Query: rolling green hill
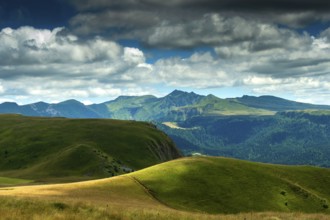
(187, 188)
(48, 148)
(222, 185)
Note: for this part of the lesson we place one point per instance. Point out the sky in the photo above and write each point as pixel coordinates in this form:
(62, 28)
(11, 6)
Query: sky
(97, 50)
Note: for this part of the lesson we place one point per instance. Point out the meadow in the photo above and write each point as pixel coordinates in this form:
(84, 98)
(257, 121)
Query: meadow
(188, 188)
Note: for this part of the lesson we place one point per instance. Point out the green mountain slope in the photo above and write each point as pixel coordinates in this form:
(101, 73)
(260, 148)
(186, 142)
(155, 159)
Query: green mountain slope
(213, 106)
(285, 138)
(176, 106)
(39, 148)
(220, 185)
(124, 107)
(273, 103)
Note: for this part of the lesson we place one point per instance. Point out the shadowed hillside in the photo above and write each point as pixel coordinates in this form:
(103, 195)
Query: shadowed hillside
(45, 148)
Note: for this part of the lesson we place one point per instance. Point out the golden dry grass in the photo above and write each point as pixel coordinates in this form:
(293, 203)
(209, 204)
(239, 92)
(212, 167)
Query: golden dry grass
(121, 197)
(113, 198)
(104, 192)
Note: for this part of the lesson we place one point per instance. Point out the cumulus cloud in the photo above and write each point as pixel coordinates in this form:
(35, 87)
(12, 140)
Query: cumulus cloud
(27, 45)
(48, 63)
(201, 70)
(325, 35)
(254, 54)
(268, 60)
(303, 89)
(248, 47)
(28, 51)
(2, 88)
(28, 90)
(287, 55)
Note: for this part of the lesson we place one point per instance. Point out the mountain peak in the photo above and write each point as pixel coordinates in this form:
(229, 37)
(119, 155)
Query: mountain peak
(9, 104)
(179, 93)
(40, 103)
(71, 101)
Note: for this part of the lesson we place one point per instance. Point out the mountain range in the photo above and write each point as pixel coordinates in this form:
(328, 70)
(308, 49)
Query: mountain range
(264, 129)
(176, 106)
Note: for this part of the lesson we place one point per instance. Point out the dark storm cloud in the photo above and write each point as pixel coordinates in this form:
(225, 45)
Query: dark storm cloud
(293, 68)
(210, 5)
(256, 5)
(140, 19)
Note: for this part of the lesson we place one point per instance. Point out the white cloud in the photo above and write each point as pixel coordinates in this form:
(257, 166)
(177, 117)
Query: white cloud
(304, 89)
(27, 45)
(133, 56)
(2, 88)
(300, 69)
(48, 65)
(201, 70)
(27, 90)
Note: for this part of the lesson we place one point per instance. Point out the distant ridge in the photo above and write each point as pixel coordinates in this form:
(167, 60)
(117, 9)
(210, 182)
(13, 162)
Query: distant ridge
(176, 106)
(69, 109)
(277, 104)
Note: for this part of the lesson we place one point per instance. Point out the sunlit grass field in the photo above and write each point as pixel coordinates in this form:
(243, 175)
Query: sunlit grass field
(189, 188)
(43, 210)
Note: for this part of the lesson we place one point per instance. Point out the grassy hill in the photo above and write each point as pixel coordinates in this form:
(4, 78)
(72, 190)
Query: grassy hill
(188, 188)
(220, 185)
(49, 148)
